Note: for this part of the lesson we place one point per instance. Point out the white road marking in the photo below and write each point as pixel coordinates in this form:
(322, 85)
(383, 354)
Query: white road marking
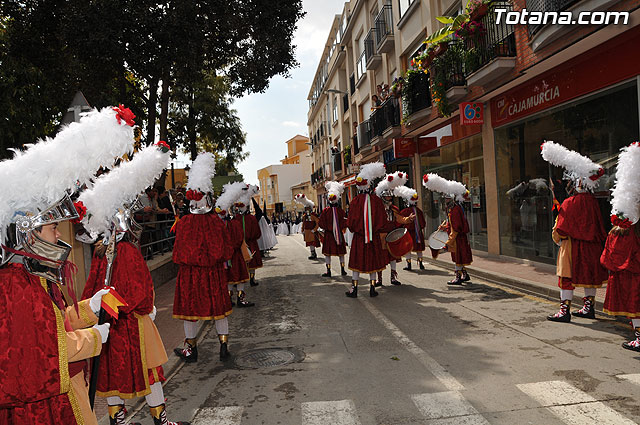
(341, 412)
(633, 378)
(231, 415)
(448, 407)
(427, 361)
(571, 405)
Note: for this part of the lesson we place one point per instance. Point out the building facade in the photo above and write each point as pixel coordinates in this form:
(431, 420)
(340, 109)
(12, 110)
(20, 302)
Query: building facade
(576, 85)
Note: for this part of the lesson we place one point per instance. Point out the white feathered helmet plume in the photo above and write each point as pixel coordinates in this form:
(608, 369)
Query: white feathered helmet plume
(390, 182)
(200, 183)
(304, 201)
(334, 191)
(625, 195)
(46, 171)
(368, 173)
(121, 187)
(230, 193)
(247, 193)
(449, 188)
(409, 195)
(578, 168)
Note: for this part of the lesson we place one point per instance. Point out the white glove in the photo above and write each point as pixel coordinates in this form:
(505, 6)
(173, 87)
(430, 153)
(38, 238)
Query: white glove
(96, 300)
(153, 314)
(103, 330)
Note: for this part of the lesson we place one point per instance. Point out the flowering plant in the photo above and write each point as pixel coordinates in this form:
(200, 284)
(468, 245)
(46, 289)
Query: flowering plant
(470, 29)
(475, 7)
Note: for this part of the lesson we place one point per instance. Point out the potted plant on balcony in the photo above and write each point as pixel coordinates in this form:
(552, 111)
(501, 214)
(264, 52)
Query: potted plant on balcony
(471, 32)
(438, 80)
(476, 9)
(347, 155)
(408, 88)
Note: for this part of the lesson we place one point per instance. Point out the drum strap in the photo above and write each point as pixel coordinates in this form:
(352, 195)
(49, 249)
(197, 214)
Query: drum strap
(416, 225)
(336, 226)
(368, 224)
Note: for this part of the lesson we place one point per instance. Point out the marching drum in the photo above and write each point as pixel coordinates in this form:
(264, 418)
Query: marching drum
(438, 240)
(399, 242)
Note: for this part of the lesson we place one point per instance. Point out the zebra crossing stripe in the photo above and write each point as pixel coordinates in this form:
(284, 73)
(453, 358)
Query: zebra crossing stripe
(341, 412)
(571, 405)
(633, 378)
(449, 407)
(231, 415)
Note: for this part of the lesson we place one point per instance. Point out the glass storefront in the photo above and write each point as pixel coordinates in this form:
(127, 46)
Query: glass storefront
(596, 126)
(460, 161)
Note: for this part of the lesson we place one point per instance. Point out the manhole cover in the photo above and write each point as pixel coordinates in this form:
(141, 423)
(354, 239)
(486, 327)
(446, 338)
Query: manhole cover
(268, 357)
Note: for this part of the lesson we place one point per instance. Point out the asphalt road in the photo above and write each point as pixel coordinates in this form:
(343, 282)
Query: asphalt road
(420, 353)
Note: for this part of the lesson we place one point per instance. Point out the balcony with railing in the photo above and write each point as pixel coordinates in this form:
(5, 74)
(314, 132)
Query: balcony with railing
(416, 99)
(364, 135)
(372, 58)
(546, 6)
(385, 121)
(448, 68)
(317, 177)
(492, 53)
(337, 163)
(384, 30)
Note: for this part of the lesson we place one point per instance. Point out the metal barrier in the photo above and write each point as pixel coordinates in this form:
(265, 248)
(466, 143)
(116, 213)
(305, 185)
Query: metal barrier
(156, 238)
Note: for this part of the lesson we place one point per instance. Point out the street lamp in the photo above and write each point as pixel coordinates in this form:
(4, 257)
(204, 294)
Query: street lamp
(335, 91)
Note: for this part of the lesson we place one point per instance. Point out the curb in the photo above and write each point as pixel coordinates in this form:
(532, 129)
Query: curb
(173, 365)
(528, 287)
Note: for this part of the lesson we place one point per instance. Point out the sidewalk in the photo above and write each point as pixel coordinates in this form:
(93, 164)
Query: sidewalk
(532, 278)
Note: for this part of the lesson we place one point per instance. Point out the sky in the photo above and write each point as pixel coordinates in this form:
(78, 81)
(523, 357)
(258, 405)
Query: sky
(273, 117)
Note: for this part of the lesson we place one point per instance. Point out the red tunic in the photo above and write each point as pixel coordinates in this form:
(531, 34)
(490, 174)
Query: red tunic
(123, 370)
(366, 257)
(238, 272)
(308, 224)
(458, 223)
(621, 256)
(331, 247)
(32, 388)
(580, 219)
(416, 229)
(201, 248)
(252, 233)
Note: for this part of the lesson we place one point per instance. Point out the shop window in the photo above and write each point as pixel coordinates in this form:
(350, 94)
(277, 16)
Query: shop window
(597, 126)
(461, 161)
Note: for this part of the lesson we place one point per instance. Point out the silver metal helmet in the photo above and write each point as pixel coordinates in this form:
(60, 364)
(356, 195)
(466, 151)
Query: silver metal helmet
(51, 256)
(203, 206)
(125, 224)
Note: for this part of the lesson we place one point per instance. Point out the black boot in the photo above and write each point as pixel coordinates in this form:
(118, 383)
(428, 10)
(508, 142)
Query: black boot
(465, 276)
(408, 267)
(117, 415)
(159, 415)
(313, 256)
(343, 272)
(372, 289)
(231, 296)
(378, 284)
(394, 278)
(457, 280)
(242, 302)
(564, 314)
(328, 273)
(635, 344)
(189, 353)
(224, 350)
(587, 311)
(353, 292)
(252, 281)
(421, 265)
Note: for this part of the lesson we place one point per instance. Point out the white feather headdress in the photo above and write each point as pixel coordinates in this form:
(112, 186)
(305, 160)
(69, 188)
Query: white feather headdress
(390, 182)
(121, 186)
(248, 192)
(436, 183)
(368, 173)
(230, 193)
(304, 201)
(202, 171)
(334, 189)
(41, 175)
(625, 195)
(408, 194)
(577, 167)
